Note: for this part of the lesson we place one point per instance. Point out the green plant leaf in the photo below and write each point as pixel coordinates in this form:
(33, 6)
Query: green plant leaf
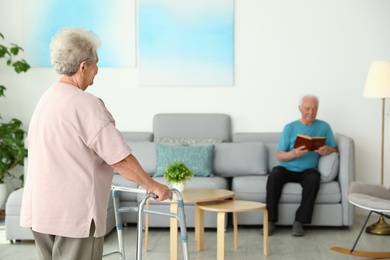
(12, 150)
(177, 172)
(3, 51)
(21, 66)
(15, 50)
(2, 91)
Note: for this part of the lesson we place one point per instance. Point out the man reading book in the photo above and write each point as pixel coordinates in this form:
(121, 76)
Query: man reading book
(299, 164)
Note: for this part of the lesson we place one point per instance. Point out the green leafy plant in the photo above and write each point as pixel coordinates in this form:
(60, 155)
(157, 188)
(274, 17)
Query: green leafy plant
(177, 172)
(12, 150)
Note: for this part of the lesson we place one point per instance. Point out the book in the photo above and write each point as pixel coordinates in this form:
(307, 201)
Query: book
(311, 143)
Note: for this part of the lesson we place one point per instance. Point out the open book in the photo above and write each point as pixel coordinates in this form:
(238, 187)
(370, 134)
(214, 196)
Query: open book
(311, 143)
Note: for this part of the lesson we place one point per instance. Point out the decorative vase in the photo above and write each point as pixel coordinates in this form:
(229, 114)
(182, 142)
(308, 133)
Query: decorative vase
(180, 186)
(3, 195)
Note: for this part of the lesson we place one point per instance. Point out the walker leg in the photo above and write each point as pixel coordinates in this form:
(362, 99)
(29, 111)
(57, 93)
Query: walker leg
(140, 226)
(179, 217)
(183, 228)
(146, 228)
(119, 226)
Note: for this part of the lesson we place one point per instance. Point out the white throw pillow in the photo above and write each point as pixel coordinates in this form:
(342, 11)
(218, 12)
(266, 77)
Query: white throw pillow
(328, 166)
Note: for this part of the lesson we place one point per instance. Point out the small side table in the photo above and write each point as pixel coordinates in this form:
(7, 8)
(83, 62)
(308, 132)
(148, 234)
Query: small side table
(233, 206)
(192, 195)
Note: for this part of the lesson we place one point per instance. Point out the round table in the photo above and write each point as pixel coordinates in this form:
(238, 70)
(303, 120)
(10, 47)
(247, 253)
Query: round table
(233, 206)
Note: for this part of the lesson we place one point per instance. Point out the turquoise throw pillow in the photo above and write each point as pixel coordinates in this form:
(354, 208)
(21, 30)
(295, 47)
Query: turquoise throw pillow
(198, 158)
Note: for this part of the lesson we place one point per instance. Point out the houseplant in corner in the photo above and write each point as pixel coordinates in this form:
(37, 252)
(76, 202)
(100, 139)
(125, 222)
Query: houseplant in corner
(12, 150)
(177, 174)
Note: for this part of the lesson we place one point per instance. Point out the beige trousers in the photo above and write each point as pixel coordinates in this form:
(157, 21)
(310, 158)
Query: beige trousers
(51, 247)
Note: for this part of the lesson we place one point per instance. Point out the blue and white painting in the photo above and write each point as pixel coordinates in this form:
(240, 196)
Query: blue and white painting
(113, 21)
(186, 42)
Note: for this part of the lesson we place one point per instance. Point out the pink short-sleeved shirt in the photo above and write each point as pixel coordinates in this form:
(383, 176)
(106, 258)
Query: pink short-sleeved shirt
(72, 141)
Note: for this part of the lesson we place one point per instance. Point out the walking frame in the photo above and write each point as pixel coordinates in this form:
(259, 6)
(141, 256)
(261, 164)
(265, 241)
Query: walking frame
(180, 216)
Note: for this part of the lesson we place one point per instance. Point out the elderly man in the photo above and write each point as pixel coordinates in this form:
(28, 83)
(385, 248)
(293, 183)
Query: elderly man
(299, 165)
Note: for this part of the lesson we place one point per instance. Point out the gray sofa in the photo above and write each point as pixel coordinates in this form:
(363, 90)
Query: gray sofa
(240, 162)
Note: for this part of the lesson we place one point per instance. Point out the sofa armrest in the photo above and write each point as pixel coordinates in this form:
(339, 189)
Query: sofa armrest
(346, 174)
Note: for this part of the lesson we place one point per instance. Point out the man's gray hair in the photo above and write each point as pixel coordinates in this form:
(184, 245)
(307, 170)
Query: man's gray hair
(70, 47)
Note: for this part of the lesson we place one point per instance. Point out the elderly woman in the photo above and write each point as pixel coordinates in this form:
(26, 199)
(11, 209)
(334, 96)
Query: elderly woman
(74, 149)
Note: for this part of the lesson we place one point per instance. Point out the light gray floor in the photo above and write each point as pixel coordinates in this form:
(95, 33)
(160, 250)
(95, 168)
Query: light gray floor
(314, 245)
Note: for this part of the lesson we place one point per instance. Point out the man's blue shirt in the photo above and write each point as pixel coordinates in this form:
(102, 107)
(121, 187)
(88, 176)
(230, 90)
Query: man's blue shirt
(287, 140)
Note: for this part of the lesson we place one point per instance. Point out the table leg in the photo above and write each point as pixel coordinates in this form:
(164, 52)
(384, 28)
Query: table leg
(235, 224)
(265, 231)
(173, 233)
(200, 229)
(197, 220)
(235, 221)
(221, 236)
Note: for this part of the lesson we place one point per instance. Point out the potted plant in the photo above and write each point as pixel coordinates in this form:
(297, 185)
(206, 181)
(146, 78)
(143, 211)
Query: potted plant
(12, 150)
(177, 174)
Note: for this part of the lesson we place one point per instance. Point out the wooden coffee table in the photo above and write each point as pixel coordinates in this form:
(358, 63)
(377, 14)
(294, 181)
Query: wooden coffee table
(233, 206)
(190, 196)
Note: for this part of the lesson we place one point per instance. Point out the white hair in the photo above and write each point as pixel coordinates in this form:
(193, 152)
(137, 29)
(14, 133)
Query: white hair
(309, 97)
(70, 47)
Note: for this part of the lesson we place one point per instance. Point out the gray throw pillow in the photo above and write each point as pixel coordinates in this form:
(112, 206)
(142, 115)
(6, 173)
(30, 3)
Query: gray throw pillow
(328, 166)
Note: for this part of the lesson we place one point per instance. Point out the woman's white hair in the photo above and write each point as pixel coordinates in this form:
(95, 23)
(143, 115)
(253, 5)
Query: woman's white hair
(70, 47)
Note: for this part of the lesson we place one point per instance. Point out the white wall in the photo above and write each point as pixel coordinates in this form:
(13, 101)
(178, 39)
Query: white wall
(283, 49)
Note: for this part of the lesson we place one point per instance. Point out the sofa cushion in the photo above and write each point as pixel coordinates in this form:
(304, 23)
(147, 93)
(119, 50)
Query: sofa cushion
(271, 137)
(198, 158)
(271, 151)
(238, 159)
(145, 152)
(328, 193)
(119, 180)
(254, 188)
(328, 166)
(137, 136)
(192, 126)
(188, 141)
